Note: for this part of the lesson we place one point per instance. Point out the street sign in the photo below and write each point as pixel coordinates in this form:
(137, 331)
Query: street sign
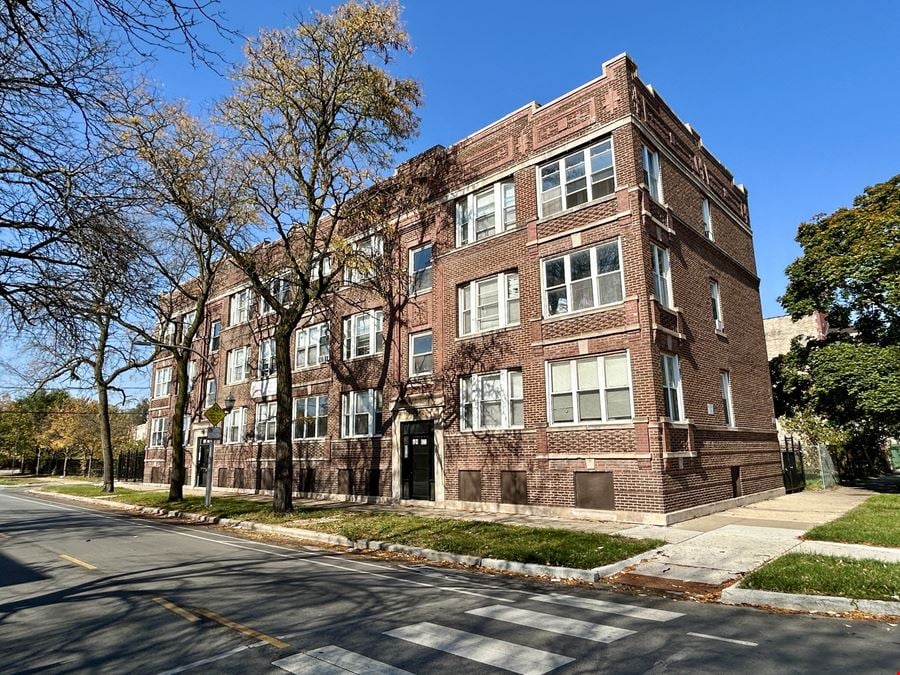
(214, 414)
(214, 434)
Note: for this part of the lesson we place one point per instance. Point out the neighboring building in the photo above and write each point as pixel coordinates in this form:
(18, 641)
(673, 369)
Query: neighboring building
(781, 330)
(586, 335)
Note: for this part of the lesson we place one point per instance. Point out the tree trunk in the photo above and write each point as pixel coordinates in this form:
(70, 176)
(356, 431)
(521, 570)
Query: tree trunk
(176, 477)
(105, 438)
(37, 466)
(282, 499)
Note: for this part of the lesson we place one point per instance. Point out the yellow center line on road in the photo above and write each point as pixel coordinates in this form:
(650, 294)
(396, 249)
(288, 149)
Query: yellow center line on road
(240, 628)
(180, 611)
(85, 565)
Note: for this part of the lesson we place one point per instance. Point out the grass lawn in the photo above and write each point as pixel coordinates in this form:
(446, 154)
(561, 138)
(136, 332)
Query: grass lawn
(488, 540)
(876, 521)
(827, 575)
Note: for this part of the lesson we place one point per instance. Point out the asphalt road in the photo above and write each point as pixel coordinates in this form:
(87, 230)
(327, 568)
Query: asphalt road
(87, 590)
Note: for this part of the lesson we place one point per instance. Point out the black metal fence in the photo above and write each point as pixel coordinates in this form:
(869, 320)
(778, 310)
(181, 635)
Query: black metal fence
(130, 466)
(792, 464)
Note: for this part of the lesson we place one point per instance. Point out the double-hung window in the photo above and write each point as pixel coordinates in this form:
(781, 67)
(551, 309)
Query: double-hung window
(577, 178)
(672, 388)
(191, 375)
(707, 219)
(310, 417)
(158, 428)
(726, 398)
(662, 275)
(234, 424)
(187, 320)
(236, 365)
(161, 382)
(215, 333)
(265, 421)
(583, 279)
(420, 269)
(361, 264)
(485, 213)
(239, 307)
(361, 413)
(186, 430)
(420, 354)
(652, 177)
(489, 304)
(492, 401)
(595, 389)
(278, 287)
(210, 393)
(716, 303)
(363, 334)
(265, 363)
(312, 346)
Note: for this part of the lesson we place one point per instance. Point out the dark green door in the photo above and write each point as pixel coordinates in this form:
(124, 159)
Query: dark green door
(417, 460)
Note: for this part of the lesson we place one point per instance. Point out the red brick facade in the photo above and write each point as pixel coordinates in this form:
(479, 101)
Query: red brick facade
(657, 466)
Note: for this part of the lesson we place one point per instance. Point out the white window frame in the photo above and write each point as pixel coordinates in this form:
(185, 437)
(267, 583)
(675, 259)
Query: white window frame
(595, 279)
(348, 413)
(415, 275)
(322, 345)
(265, 360)
(319, 419)
(233, 426)
(412, 354)
(715, 297)
(671, 364)
(265, 419)
(662, 275)
(560, 164)
(279, 287)
(191, 375)
(239, 307)
(652, 173)
(367, 247)
(727, 400)
(471, 394)
(230, 360)
(159, 427)
(600, 362)
(162, 381)
(465, 212)
(215, 336)
(185, 430)
(375, 334)
(706, 213)
(468, 301)
(210, 392)
(187, 319)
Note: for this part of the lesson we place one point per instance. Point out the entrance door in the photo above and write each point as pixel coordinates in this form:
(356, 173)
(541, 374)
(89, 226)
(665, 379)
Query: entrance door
(417, 460)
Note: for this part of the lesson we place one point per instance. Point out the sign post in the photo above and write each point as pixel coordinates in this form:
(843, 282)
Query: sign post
(215, 415)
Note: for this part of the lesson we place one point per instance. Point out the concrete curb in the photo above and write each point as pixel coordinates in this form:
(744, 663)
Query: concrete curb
(734, 595)
(856, 551)
(616, 567)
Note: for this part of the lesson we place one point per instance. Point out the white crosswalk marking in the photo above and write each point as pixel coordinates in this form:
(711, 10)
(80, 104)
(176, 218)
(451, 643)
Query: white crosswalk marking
(608, 607)
(332, 660)
(499, 653)
(553, 623)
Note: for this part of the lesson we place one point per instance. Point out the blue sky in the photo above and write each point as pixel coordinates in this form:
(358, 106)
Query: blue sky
(799, 99)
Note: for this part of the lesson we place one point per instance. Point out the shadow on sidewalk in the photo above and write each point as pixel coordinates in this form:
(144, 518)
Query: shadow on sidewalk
(889, 483)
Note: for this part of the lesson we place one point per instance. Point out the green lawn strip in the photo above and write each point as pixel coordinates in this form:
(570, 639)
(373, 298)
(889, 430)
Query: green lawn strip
(828, 575)
(544, 546)
(875, 522)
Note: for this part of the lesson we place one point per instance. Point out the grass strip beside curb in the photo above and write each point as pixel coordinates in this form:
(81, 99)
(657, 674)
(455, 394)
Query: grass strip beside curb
(875, 522)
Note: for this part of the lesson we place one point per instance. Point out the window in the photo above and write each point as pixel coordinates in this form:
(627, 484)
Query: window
(583, 279)
(158, 428)
(191, 374)
(161, 382)
(185, 430)
(312, 346)
(420, 269)
(662, 275)
(716, 305)
(362, 334)
(595, 389)
(187, 320)
(420, 354)
(234, 426)
(210, 393)
(652, 178)
(492, 401)
(489, 304)
(239, 307)
(265, 363)
(567, 182)
(311, 417)
(361, 264)
(236, 365)
(265, 421)
(672, 387)
(726, 398)
(486, 213)
(707, 220)
(279, 288)
(215, 332)
(361, 413)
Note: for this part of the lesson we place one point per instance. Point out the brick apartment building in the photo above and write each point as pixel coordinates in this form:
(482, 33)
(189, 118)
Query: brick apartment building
(585, 336)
